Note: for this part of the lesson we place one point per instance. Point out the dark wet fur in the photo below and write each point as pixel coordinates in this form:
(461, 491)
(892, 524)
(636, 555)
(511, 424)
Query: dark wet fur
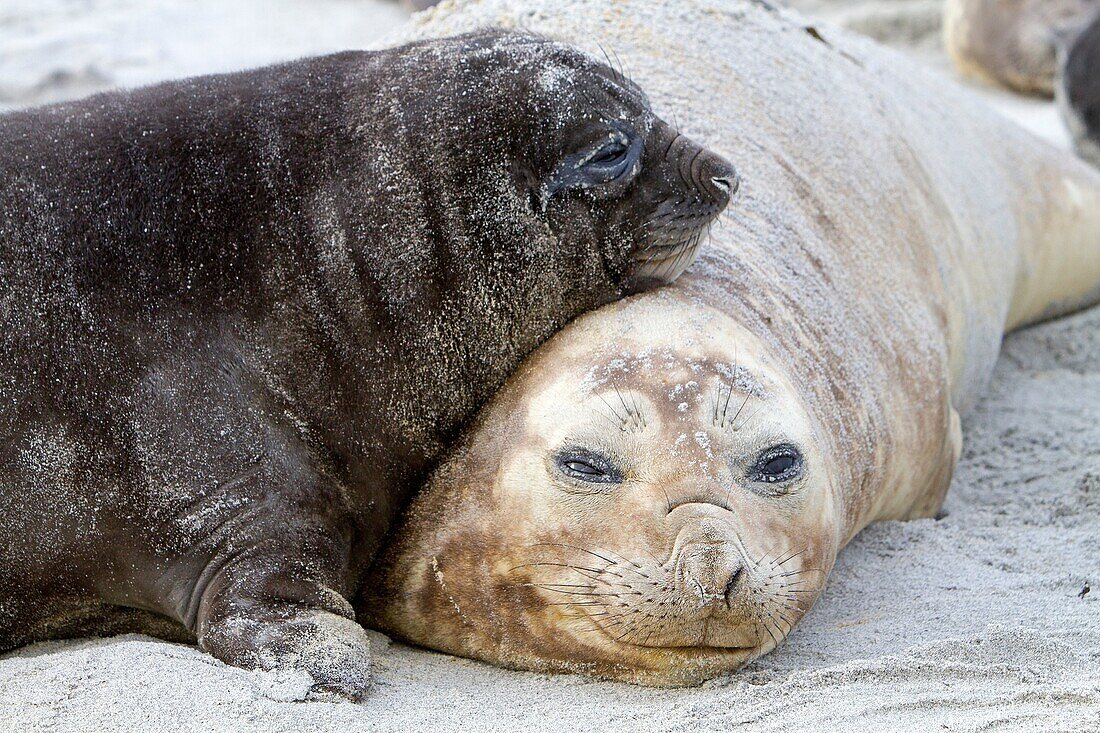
(243, 314)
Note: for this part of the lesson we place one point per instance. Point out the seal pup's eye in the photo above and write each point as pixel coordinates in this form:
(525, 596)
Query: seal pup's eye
(777, 464)
(587, 466)
(614, 159)
(604, 169)
(610, 154)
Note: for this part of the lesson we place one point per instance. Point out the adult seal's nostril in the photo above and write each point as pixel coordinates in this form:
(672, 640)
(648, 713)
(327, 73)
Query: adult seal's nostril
(731, 583)
(709, 570)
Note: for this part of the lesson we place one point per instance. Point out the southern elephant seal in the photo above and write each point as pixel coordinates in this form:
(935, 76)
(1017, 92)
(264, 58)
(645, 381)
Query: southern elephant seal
(244, 313)
(659, 493)
(1013, 43)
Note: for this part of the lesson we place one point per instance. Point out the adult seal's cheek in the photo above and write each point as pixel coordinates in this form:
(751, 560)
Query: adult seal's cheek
(245, 313)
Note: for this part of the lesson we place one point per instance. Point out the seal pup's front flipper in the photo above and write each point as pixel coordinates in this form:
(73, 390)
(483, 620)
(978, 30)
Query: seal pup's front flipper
(273, 595)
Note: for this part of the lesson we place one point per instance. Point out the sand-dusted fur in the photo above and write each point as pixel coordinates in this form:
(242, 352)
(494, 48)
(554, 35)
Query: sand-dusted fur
(1013, 43)
(242, 315)
(659, 493)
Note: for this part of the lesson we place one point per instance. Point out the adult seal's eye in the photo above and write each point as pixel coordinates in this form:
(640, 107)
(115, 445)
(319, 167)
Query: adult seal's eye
(778, 464)
(587, 466)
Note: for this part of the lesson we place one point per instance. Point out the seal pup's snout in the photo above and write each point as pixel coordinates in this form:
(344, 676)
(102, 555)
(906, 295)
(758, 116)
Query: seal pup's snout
(710, 179)
(691, 186)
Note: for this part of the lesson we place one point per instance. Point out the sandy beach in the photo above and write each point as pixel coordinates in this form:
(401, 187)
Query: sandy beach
(978, 621)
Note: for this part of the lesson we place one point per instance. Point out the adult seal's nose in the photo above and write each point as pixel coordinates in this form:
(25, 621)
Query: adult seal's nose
(720, 178)
(708, 571)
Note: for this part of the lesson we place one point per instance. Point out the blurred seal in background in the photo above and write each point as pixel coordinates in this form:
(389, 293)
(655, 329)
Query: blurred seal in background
(1079, 89)
(1012, 43)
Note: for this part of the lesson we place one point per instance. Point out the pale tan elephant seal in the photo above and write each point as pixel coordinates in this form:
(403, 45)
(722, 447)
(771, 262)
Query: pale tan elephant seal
(659, 493)
(1012, 43)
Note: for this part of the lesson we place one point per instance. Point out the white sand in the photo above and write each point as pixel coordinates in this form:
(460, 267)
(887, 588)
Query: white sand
(965, 624)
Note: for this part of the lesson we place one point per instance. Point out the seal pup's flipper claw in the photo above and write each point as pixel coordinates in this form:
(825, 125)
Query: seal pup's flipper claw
(259, 612)
(331, 648)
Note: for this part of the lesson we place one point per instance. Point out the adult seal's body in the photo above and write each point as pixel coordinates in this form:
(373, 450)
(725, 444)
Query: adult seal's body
(1013, 43)
(659, 493)
(242, 314)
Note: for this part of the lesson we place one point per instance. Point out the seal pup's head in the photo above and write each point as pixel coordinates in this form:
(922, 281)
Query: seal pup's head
(652, 505)
(537, 147)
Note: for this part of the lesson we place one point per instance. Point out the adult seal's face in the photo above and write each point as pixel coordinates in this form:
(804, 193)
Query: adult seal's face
(652, 511)
(525, 138)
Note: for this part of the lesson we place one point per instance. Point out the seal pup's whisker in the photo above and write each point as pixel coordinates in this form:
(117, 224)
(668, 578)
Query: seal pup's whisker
(617, 70)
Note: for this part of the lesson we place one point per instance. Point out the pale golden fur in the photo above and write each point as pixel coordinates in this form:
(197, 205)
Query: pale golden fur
(888, 234)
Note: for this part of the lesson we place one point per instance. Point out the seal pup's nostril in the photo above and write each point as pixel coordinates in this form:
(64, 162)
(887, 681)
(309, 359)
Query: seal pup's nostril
(722, 178)
(728, 185)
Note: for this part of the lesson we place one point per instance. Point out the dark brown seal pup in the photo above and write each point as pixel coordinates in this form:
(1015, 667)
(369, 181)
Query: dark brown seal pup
(243, 314)
(1079, 89)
